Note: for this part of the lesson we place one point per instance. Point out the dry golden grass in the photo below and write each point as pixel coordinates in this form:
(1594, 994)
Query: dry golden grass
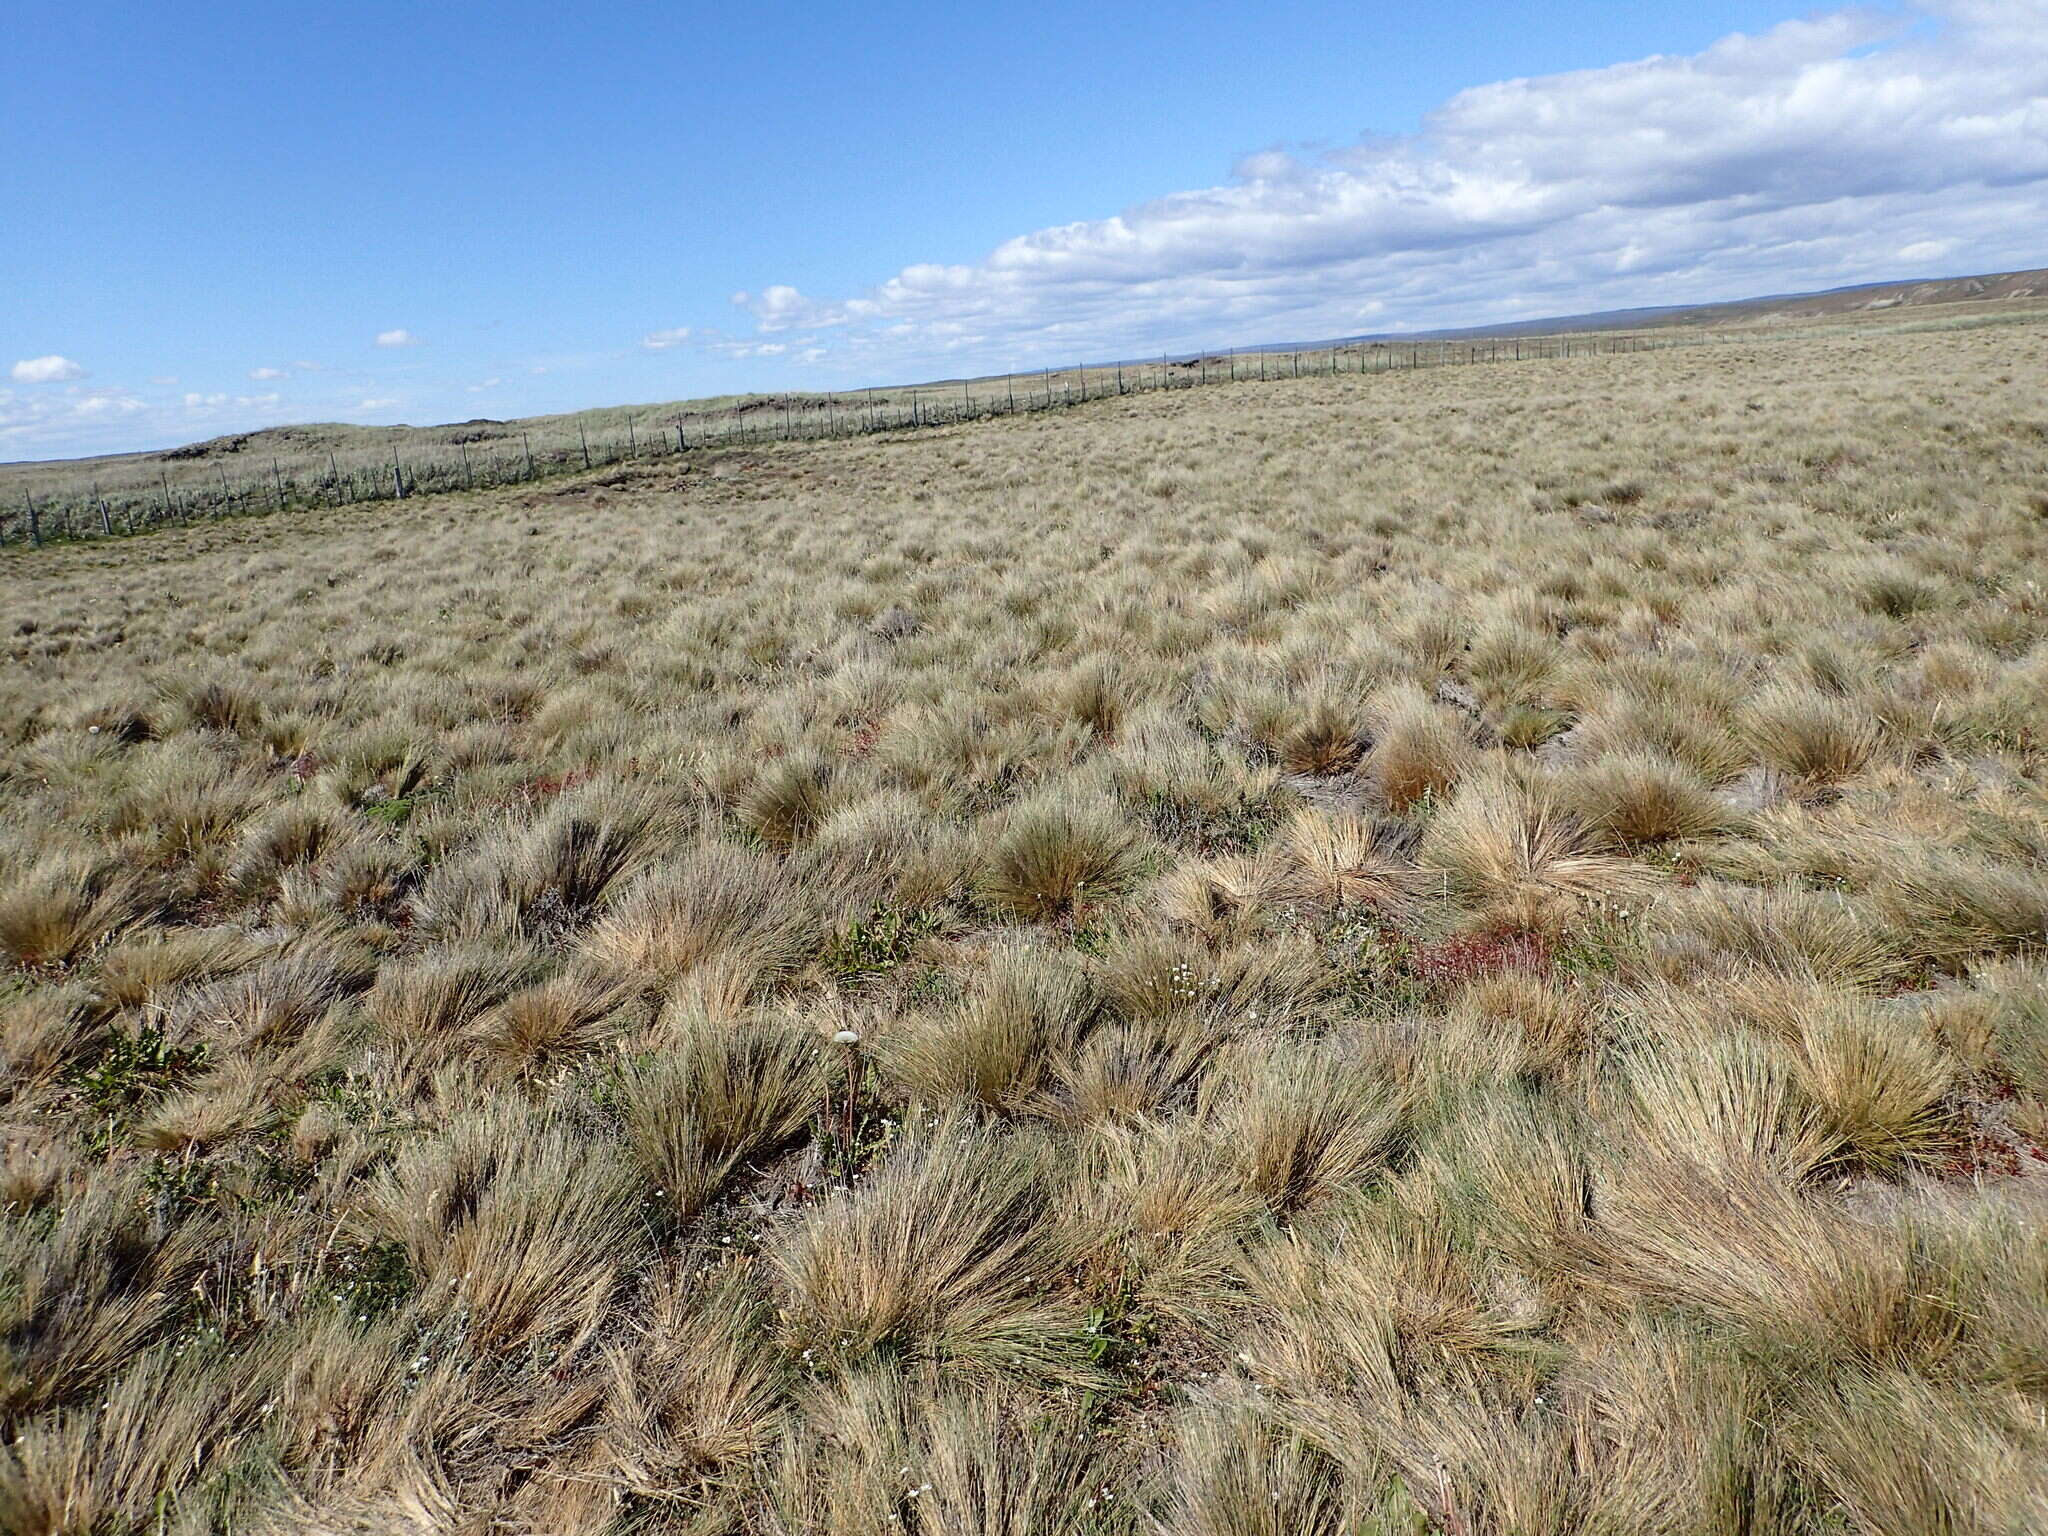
(1442, 952)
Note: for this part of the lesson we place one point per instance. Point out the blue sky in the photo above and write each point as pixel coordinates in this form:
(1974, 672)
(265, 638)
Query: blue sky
(230, 215)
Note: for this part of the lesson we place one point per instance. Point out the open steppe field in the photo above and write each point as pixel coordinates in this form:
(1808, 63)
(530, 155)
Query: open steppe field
(1461, 953)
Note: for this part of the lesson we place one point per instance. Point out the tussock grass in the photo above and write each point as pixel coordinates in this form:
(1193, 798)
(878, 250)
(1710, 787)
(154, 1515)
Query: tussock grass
(718, 1094)
(1168, 967)
(1421, 749)
(1521, 857)
(945, 1257)
(1639, 799)
(1808, 734)
(512, 1228)
(1051, 856)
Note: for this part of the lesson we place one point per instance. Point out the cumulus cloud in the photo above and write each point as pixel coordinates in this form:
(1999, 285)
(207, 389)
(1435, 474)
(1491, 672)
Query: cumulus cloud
(28, 420)
(661, 341)
(46, 370)
(1845, 147)
(398, 338)
(375, 405)
(266, 373)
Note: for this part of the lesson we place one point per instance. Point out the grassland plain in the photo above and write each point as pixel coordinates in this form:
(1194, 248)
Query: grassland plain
(1452, 953)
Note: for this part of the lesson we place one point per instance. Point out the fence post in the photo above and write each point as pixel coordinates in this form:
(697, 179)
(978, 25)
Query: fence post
(397, 475)
(277, 484)
(35, 522)
(164, 477)
(527, 439)
(632, 440)
(583, 438)
(106, 516)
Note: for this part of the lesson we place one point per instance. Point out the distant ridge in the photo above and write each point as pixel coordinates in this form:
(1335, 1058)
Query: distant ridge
(1911, 293)
(315, 440)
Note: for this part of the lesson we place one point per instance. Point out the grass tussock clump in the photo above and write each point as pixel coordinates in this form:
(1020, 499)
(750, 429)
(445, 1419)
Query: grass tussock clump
(946, 1257)
(1809, 735)
(1516, 855)
(1161, 969)
(1421, 750)
(1641, 799)
(718, 1095)
(1050, 857)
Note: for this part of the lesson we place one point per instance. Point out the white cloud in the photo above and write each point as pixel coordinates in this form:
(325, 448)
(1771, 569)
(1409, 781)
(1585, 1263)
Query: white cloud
(1926, 250)
(375, 405)
(111, 402)
(46, 370)
(661, 341)
(483, 384)
(215, 402)
(1845, 147)
(398, 338)
(266, 373)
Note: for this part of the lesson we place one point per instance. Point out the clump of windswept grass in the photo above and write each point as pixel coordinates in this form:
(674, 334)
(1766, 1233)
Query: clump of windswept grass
(695, 1395)
(730, 920)
(786, 801)
(1051, 856)
(1883, 1091)
(54, 911)
(549, 877)
(1641, 799)
(1518, 855)
(944, 1257)
(540, 1027)
(1333, 861)
(1123, 1072)
(1950, 908)
(1241, 1468)
(1025, 1015)
(89, 1291)
(1421, 750)
(511, 1222)
(426, 1005)
(1727, 1103)
(1808, 735)
(1323, 741)
(718, 1095)
(1302, 1123)
(1788, 931)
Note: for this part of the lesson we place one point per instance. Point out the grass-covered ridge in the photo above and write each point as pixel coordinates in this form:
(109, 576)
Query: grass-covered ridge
(1453, 952)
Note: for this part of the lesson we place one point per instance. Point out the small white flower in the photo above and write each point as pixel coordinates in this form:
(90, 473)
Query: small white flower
(847, 1037)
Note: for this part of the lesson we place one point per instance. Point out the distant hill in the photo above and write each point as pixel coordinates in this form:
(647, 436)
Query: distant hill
(570, 433)
(1772, 308)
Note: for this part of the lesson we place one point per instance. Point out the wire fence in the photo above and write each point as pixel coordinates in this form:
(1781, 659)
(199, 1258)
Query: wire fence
(486, 455)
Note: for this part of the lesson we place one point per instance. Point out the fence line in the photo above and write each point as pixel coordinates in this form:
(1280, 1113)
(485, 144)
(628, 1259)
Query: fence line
(100, 513)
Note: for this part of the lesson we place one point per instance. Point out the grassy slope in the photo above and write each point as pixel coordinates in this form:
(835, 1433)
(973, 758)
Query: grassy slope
(1450, 952)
